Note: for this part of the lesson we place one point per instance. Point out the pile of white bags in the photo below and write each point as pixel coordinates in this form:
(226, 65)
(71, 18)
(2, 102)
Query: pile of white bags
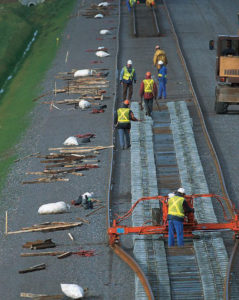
(84, 72)
(74, 291)
(101, 53)
(53, 208)
(71, 141)
(83, 104)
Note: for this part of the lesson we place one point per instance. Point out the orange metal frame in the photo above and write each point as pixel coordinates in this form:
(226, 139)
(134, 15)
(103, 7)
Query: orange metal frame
(190, 223)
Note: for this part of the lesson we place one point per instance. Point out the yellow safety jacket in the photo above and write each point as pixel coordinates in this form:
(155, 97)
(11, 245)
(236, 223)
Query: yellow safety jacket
(123, 115)
(132, 2)
(148, 85)
(127, 75)
(175, 206)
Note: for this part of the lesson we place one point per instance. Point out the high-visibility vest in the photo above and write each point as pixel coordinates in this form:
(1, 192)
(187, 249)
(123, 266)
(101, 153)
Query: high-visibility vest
(175, 206)
(148, 85)
(127, 75)
(132, 2)
(123, 115)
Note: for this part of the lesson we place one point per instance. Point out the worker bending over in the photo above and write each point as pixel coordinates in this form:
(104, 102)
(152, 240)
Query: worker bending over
(148, 91)
(122, 119)
(162, 77)
(159, 54)
(127, 77)
(177, 207)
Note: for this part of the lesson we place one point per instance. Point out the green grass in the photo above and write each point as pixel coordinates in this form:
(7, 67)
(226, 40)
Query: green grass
(49, 19)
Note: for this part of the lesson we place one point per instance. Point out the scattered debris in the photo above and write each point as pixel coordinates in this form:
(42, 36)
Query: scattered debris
(83, 104)
(39, 244)
(48, 226)
(91, 213)
(64, 255)
(99, 16)
(86, 135)
(46, 180)
(105, 31)
(41, 296)
(84, 72)
(54, 208)
(32, 269)
(71, 236)
(97, 111)
(27, 156)
(103, 4)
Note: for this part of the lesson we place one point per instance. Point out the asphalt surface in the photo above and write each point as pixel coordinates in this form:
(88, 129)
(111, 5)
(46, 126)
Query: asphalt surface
(103, 274)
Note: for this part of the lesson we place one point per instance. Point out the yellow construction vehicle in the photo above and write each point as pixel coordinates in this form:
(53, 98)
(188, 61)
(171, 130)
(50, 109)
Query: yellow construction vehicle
(227, 73)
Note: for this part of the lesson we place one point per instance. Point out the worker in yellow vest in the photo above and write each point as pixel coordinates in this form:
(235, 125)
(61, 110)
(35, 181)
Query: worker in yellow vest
(177, 207)
(122, 118)
(130, 4)
(148, 91)
(127, 78)
(150, 3)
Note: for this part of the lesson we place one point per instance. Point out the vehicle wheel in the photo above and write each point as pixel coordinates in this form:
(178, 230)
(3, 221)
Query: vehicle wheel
(220, 107)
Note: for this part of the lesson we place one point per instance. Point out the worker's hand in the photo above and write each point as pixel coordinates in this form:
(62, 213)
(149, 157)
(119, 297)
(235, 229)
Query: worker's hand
(121, 82)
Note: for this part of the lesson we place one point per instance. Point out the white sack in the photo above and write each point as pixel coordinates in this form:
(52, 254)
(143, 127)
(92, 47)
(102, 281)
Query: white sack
(71, 141)
(104, 4)
(83, 72)
(105, 31)
(89, 195)
(53, 208)
(100, 47)
(83, 104)
(101, 54)
(98, 16)
(73, 291)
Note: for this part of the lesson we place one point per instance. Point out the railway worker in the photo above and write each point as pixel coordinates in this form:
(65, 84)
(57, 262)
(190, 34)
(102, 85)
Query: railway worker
(162, 77)
(127, 78)
(150, 3)
(122, 119)
(159, 54)
(177, 207)
(130, 4)
(148, 91)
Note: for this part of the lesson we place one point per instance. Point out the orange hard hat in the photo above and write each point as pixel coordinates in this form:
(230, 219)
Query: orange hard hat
(126, 102)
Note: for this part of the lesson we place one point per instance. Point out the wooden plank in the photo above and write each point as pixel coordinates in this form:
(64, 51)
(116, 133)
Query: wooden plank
(32, 269)
(91, 213)
(41, 296)
(45, 253)
(64, 255)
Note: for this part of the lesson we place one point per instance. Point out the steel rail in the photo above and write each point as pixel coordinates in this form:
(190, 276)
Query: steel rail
(117, 249)
(155, 20)
(211, 148)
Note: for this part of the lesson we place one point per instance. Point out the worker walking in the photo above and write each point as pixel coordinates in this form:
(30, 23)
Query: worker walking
(177, 207)
(130, 4)
(148, 91)
(127, 77)
(159, 54)
(122, 119)
(162, 77)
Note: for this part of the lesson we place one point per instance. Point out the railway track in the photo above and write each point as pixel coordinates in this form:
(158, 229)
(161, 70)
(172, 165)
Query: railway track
(183, 270)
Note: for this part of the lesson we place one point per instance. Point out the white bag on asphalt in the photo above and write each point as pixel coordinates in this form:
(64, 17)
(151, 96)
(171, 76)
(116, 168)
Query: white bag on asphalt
(88, 195)
(83, 104)
(53, 208)
(101, 53)
(83, 72)
(103, 4)
(73, 291)
(71, 141)
(105, 31)
(98, 16)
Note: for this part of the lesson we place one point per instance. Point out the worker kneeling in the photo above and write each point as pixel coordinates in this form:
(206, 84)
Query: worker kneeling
(177, 207)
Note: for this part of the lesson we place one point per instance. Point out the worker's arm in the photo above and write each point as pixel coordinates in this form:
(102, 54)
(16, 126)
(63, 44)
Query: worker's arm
(141, 90)
(121, 74)
(115, 117)
(155, 61)
(134, 77)
(132, 117)
(187, 208)
(155, 90)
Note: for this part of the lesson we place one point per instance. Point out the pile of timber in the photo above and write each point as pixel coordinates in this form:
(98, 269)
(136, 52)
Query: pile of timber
(68, 160)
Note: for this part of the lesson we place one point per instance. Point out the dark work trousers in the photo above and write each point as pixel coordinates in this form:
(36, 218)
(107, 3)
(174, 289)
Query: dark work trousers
(175, 226)
(127, 86)
(148, 103)
(124, 138)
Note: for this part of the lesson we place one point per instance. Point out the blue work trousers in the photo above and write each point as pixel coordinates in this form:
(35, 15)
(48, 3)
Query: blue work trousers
(124, 138)
(148, 103)
(162, 88)
(175, 226)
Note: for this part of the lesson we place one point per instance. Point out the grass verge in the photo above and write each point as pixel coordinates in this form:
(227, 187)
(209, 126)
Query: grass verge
(49, 19)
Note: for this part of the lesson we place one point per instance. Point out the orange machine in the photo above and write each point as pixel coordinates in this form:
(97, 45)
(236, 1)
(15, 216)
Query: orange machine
(190, 223)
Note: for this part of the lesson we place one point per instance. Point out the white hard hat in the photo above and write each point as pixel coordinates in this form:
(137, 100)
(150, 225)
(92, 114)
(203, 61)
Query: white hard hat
(129, 62)
(181, 190)
(170, 195)
(160, 62)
